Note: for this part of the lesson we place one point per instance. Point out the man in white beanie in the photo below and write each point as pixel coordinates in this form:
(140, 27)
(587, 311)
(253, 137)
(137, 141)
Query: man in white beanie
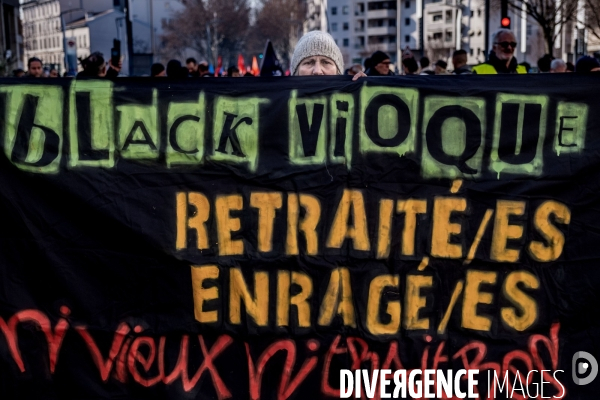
(317, 54)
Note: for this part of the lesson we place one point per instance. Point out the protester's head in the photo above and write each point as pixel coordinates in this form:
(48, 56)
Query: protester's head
(248, 74)
(410, 66)
(175, 70)
(380, 61)
(587, 64)
(18, 73)
(424, 61)
(94, 65)
(53, 73)
(440, 67)
(353, 70)
(570, 67)
(233, 71)
(459, 59)
(505, 44)
(557, 66)
(35, 68)
(157, 70)
(367, 63)
(317, 54)
(192, 65)
(203, 69)
(544, 63)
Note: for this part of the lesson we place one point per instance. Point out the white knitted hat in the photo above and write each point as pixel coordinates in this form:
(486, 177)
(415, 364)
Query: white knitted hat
(317, 43)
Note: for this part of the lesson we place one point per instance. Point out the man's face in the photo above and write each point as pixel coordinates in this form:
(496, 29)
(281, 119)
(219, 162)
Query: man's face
(53, 73)
(383, 67)
(192, 67)
(317, 65)
(35, 69)
(505, 46)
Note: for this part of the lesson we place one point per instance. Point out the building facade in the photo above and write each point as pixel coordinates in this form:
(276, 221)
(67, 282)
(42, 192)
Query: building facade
(11, 45)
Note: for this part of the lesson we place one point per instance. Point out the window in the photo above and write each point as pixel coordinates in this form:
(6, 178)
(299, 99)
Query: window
(437, 17)
(345, 26)
(448, 16)
(407, 4)
(345, 10)
(528, 31)
(478, 51)
(471, 51)
(479, 13)
(346, 42)
(334, 27)
(392, 39)
(382, 5)
(448, 36)
(407, 38)
(333, 10)
(392, 22)
(407, 21)
(437, 36)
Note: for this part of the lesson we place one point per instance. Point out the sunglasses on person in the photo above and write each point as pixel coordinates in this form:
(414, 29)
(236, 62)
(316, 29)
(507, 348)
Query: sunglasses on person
(505, 45)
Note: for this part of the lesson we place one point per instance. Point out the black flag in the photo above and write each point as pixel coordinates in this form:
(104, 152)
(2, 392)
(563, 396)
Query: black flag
(270, 63)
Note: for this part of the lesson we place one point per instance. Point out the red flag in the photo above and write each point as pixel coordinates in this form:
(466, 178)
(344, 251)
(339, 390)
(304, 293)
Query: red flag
(219, 65)
(241, 65)
(255, 69)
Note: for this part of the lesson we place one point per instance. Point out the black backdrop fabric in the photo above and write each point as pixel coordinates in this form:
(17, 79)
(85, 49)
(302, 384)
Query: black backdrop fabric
(248, 238)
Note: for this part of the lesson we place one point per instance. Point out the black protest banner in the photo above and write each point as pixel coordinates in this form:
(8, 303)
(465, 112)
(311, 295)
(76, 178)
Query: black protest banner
(215, 239)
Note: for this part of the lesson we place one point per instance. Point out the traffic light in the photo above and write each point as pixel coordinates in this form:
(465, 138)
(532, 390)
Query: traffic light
(504, 18)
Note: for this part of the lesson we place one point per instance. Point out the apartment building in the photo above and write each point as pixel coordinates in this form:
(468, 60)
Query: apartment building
(362, 27)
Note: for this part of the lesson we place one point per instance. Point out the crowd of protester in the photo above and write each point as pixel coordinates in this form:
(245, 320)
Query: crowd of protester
(501, 60)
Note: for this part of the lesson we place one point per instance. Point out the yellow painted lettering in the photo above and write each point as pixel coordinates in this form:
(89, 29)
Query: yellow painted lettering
(473, 296)
(374, 324)
(257, 305)
(338, 299)
(226, 224)
(555, 239)
(340, 230)
(526, 306)
(503, 230)
(201, 294)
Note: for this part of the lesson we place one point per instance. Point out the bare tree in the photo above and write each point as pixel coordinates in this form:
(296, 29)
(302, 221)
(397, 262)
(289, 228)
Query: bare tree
(279, 21)
(209, 28)
(589, 16)
(551, 15)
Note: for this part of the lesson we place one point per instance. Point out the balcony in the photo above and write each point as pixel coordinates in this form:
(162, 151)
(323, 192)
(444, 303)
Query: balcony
(384, 13)
(385, 47)
(382, 31)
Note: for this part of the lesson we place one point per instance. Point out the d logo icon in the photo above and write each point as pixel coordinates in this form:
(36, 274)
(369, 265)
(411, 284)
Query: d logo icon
(580, 368)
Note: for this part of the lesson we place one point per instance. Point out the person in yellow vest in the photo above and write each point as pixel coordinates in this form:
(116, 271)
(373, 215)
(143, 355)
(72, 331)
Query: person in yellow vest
(502, 60)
